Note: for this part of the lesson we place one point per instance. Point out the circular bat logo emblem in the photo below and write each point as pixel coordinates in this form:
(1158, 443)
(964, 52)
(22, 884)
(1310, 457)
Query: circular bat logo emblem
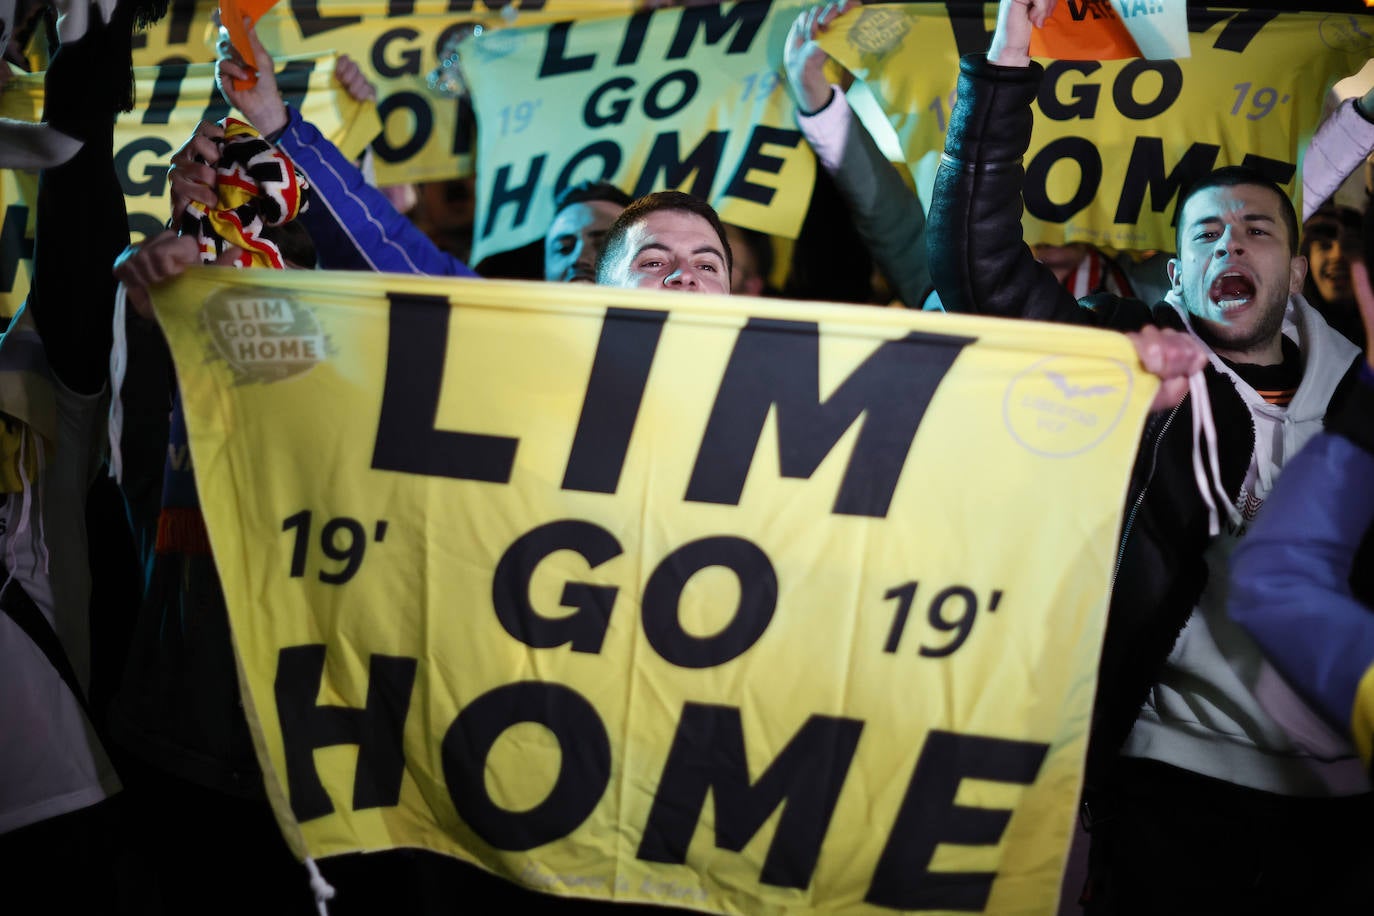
(1066, 405)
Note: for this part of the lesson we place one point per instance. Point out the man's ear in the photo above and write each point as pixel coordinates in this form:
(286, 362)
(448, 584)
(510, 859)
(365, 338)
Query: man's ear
(1175, 270)
(1297, 273)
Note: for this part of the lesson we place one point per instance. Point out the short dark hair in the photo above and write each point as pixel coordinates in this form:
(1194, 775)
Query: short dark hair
(1332, 222)
(653, 203)
(1231, 176)
(585, 192)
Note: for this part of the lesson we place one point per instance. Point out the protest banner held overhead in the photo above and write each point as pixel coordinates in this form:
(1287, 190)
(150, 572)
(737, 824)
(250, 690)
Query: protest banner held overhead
(689, 99)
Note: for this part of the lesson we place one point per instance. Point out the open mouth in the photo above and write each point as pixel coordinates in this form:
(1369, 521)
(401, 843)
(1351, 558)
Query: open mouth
(1232, 290)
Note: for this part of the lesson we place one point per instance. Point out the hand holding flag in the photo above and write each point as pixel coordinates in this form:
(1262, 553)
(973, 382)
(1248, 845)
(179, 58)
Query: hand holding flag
(232, 14)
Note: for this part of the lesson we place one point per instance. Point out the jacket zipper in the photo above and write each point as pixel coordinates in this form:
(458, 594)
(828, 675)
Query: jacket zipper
(1130, 519)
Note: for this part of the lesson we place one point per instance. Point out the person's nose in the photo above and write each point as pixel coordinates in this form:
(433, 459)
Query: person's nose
(682, 277)
(1228, 243)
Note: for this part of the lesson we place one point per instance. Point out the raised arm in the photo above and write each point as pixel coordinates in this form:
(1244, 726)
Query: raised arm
(885, 211)
(1338, 147)
(353, 225)
(978, 257)
(71, 299)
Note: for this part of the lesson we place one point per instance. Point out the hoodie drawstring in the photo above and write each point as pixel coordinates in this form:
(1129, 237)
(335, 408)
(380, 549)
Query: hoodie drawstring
(1205, 431)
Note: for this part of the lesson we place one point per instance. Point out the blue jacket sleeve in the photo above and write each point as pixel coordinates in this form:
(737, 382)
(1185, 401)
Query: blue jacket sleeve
(1290, 575)
(353, 225)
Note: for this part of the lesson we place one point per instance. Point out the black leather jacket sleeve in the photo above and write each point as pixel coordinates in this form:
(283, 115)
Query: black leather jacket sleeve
(978, 259)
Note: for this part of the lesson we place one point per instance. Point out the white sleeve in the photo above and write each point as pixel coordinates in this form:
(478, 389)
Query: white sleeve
(827, 129)
(1340, 144)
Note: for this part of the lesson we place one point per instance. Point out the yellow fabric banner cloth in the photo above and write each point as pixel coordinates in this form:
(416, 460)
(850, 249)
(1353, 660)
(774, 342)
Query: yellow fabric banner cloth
(428, 132)
(743, 606)
(1116, 141)
(689, 99)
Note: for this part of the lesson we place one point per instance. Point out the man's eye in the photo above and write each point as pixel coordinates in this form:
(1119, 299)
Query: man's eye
(1207, 235)
(710, 267)
(1256, 230)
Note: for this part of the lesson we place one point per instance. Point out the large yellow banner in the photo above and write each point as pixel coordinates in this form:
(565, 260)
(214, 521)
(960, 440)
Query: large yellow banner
(739, 605)
(682, 98)
(1116, 141)
(169, 103)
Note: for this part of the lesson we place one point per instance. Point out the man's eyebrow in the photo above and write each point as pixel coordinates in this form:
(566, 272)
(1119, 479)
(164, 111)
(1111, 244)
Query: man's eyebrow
(700, 249)
(1249, 218)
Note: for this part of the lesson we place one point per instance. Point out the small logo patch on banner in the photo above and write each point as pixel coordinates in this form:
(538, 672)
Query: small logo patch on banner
(1053, 416)
(265, 337)
(879, 31)
(1347, 33)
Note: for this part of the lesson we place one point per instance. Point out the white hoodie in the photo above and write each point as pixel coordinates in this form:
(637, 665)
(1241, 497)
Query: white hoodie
(1204, 714)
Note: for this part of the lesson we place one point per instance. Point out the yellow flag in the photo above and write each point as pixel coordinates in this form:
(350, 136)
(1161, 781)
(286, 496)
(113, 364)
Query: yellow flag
(690, 99)
(740, 605)
(428, 127)
(1115, 142)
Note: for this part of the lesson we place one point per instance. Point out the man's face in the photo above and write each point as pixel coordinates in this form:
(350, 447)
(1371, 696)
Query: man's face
(674, 250)
(573, 242)
(1234, 270)
(1326, 258)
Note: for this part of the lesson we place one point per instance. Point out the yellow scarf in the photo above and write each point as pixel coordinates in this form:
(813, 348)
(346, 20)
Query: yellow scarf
(258, 187)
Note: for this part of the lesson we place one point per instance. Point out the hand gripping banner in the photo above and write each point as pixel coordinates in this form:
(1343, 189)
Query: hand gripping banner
(737, 605)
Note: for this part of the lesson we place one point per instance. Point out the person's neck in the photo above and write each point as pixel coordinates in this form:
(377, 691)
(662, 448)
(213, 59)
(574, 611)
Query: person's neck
(1268, 354)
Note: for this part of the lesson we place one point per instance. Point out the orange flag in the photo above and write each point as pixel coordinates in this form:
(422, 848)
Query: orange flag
(231, 13)
(1084, 30)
